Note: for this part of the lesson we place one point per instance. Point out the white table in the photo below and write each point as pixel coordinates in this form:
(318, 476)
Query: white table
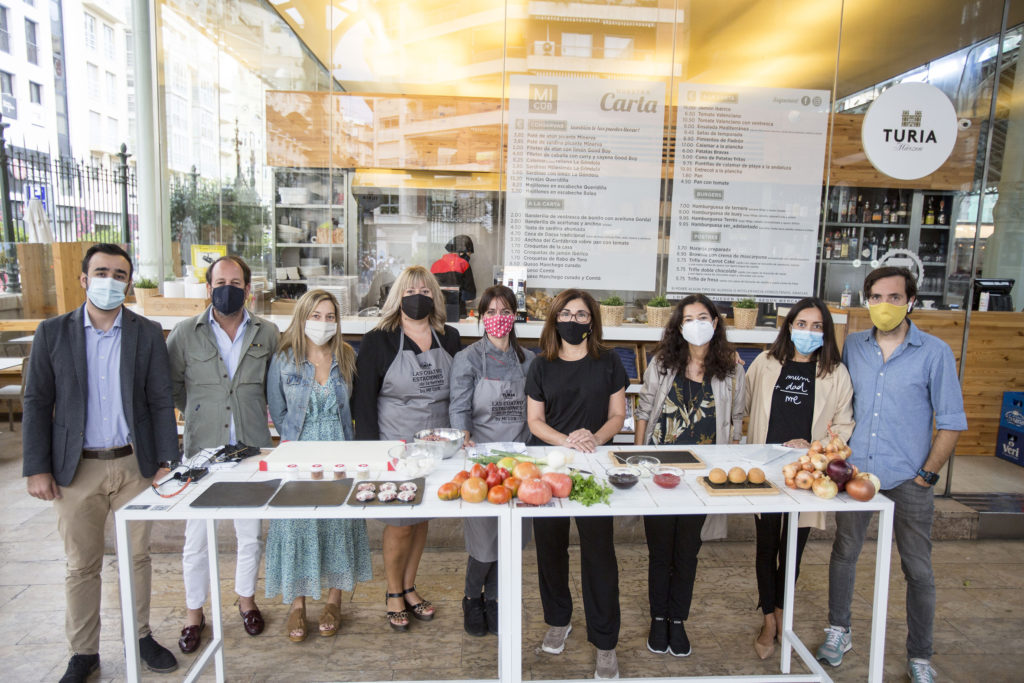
(644, 499)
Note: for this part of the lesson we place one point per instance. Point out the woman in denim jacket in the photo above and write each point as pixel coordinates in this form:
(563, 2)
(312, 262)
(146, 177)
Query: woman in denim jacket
(309, 401)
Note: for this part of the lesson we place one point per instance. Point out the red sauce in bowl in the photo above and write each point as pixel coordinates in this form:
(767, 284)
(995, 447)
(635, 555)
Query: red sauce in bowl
(666, 480)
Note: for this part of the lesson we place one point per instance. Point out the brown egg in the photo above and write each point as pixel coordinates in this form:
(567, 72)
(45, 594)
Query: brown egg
(737, 475)
(755, 475)
(717, 476)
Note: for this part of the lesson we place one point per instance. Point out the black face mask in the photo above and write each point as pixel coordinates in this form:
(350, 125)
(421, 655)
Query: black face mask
(417, 306)
(573, 332)
(228, 299)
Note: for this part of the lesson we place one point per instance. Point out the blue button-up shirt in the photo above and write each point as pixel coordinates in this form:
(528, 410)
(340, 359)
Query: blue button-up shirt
(105, 426)
(895, 402)
(230, 350)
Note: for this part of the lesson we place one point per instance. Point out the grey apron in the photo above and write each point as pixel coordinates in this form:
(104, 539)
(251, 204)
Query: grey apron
(414, 396)
(414, 393)
(499, 414)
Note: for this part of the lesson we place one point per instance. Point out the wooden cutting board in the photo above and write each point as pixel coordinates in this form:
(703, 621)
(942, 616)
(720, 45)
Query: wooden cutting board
(727, 489)
(677, 457)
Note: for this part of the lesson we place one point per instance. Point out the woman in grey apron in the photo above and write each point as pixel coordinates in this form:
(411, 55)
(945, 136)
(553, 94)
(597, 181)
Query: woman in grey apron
(402, 386)
(488, 402)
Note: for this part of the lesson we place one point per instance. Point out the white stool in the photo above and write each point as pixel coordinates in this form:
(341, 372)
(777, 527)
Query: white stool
(10, 393)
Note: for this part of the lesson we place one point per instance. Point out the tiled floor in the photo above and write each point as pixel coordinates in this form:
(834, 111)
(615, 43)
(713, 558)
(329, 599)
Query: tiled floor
(978, 630)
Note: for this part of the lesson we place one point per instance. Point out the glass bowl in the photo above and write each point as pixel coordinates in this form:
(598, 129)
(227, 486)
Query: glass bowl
(644, 463)
(667, 477)
(413, 460)
(445, 441)
(623, 476)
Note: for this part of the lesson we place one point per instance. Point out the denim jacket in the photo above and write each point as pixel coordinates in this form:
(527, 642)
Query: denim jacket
(288, 390)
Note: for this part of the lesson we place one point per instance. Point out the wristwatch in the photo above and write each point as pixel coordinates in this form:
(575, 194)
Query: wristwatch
(930, 478)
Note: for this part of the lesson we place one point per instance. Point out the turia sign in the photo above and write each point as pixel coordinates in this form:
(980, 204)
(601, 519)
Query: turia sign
(909, 131)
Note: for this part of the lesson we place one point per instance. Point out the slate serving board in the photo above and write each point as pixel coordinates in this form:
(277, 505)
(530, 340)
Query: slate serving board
(330, 493)
(237, 494)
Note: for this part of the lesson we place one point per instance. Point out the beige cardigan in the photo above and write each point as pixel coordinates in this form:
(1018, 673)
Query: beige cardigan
(833, 402)
(728, 393)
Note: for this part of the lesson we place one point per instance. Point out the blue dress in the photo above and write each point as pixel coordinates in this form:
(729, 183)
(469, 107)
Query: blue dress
(304, 555)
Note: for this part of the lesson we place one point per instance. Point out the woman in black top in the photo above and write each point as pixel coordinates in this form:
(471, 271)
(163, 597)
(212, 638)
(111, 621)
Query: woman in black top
(795, 389)
(576, 397)
(403, 374)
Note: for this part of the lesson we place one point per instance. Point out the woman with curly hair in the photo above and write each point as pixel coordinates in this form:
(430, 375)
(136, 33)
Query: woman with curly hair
(692, 394)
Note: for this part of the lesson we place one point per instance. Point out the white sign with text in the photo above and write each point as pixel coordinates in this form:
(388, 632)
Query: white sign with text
(909, 130)
(746, 192)
(584, 174)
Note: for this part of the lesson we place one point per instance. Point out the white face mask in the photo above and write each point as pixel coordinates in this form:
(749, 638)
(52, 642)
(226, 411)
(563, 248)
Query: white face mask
(320, 332)
(698, 332)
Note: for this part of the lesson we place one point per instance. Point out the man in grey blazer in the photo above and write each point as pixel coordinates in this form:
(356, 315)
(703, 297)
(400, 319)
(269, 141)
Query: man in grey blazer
(98, 424)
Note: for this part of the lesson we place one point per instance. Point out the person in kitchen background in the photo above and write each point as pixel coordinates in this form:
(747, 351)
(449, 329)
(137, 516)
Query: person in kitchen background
(488, 402)
(795, 390)
(308, 388)
(403, 374)
(693, 393)
(576, 397)
(453, 269)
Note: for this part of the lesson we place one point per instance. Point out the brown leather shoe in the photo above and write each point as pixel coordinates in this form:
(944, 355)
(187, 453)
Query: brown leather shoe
(191, 636)
(252, 621)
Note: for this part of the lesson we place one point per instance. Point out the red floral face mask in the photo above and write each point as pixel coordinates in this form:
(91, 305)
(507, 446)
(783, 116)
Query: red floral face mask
(499, 325)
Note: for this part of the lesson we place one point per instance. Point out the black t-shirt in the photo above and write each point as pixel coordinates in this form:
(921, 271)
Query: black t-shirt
(575, 393)
(792, 403)
(377, 350)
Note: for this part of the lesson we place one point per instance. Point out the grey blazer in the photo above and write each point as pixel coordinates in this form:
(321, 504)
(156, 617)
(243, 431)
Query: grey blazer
(56, 391)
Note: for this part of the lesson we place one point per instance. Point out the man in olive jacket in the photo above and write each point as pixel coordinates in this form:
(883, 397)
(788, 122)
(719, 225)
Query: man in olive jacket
(98, 426)
(219, 362)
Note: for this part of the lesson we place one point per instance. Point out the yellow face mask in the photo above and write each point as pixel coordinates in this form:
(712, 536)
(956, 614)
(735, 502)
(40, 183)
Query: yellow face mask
(887, 316)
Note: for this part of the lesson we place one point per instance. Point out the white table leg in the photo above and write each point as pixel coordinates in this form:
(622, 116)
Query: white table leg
(883, 554)
(218, 626)
(514, 611)
(133, 670)
(506, 626)
(792, 520)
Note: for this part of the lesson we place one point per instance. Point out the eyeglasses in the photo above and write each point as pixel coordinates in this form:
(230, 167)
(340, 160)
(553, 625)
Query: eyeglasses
(565, 315)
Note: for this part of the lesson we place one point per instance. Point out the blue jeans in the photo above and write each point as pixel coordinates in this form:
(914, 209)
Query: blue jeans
(912, 528)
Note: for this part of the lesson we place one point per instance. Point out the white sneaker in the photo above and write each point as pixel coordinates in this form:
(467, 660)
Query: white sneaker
(920, 671)
(554, 639)
(607, 665)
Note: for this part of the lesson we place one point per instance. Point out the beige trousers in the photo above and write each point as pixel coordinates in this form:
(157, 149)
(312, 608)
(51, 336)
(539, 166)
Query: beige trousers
(99, 487)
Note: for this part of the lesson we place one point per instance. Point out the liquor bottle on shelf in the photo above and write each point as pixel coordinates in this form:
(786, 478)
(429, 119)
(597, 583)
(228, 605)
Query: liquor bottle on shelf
(886, 211)
(901, 213)
(853, 243)
(837, 241)
(876, 215)
(828, 248)
(844, 250)
(846, 298)
(873, 250)
(865, 250)
(865, 212)
(941, 217)
(929, 216)
(901, 243)
(842, 211)
(851, 210)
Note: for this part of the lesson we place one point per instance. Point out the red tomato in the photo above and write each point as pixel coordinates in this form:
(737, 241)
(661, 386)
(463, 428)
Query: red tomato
(561, 484)
(474, 490)
(512, 484)
(460, 478)
(449, 491)
(505, 474)
(526, 470)
(499, 495)
(478, 470)
(534, 492)
(493, 479)
(491, 467)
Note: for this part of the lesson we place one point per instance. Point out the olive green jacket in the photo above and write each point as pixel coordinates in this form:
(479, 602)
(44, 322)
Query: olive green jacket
(206, 396)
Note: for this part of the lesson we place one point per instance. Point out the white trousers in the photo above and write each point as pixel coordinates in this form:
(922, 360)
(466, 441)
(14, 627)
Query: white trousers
(195, 560)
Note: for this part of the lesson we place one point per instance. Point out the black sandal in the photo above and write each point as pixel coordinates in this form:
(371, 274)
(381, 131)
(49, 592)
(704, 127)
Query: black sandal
(397, 616)
(419, 610)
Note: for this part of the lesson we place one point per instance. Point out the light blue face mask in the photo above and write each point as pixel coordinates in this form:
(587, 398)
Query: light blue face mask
(807, 342)
(106, 293)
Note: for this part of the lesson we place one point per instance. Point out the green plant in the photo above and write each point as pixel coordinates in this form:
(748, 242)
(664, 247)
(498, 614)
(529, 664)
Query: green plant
(146, 283)
(659, 301)
(744, 303)
(612, 301)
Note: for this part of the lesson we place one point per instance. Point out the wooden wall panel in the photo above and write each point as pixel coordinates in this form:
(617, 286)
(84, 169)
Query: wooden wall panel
(995, 363)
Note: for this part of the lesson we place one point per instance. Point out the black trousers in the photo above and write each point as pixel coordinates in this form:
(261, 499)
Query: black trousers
(599, 570)
(673, 542)
(770, 561)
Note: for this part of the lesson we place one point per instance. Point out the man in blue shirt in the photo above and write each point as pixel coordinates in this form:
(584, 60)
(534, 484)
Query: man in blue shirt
(903, 380)
(98, 428)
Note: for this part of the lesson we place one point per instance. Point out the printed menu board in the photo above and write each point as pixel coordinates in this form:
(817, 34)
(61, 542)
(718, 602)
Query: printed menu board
(746, 191)
(584, 174)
